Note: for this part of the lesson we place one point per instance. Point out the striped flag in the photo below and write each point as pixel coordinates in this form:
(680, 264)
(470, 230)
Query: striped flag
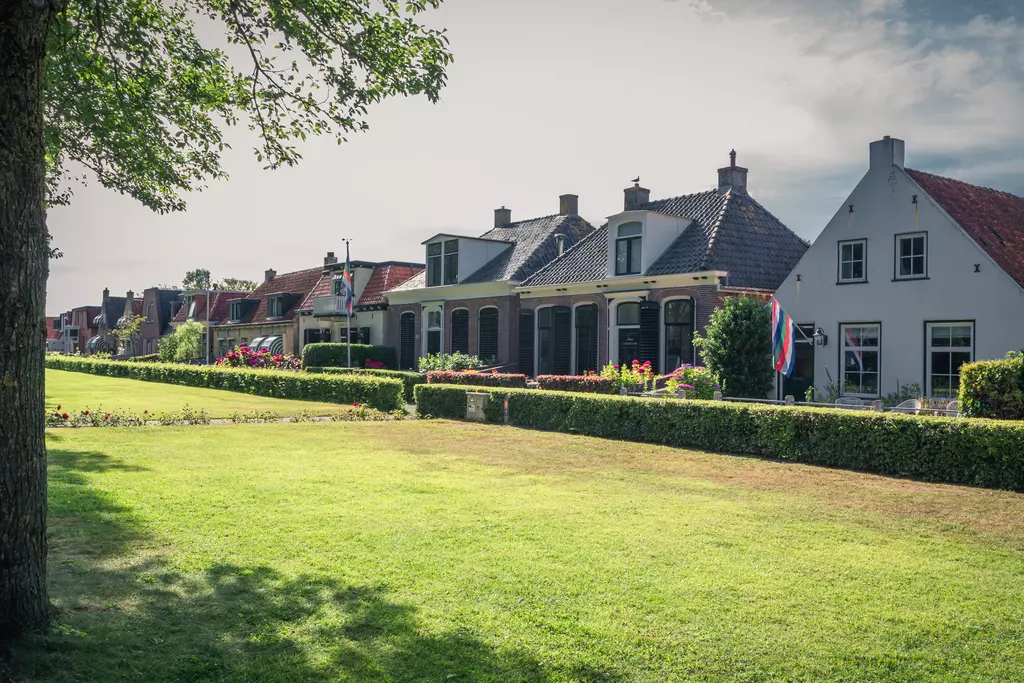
(346, 281)
(782, 340)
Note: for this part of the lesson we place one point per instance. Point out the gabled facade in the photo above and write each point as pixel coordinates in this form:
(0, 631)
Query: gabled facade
(159, 306)
(207, 308)
(322, 314)
(79, 330)
(642, 285)
(914, 275)
(465, 298)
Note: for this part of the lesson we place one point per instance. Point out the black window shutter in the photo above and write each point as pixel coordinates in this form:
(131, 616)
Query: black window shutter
(650, 333)
(561, 323)
(407, 341)
(460, 331)
(526, 343)
(488, 335)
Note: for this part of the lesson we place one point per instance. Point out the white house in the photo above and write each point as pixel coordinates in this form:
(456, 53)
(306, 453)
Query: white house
(914, 275)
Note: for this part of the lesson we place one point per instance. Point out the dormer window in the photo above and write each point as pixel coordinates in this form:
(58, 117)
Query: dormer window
(443, 263)
(627, 249)
(275, 307)
(236, 311)
(190, 306)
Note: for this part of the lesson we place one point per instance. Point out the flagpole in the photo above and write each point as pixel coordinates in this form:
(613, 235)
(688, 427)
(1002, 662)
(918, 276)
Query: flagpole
(348, 313)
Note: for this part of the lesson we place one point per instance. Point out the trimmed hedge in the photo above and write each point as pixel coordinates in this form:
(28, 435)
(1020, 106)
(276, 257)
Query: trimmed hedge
(376, 392)
(588, 384)
(148, 358)
(477, 379)
(327, 355)
(993, 388)
(977, 452)
(409, 380)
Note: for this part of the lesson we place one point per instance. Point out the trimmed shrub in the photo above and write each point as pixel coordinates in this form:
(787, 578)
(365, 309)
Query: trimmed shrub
(148, 358)
(377, 392)
(976, 452)
(477, 379)
(327, 355)
(993, 388)
(409, 379)
(588, 384)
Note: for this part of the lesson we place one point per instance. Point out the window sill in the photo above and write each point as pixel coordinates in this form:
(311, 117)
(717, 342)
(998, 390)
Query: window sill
(911, 279)
(851, 282)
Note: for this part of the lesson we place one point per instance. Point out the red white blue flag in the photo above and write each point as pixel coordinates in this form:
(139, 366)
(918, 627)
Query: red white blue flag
(346, 282)
(782, 340)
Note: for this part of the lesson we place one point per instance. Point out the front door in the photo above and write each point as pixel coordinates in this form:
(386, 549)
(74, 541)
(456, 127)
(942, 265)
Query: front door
(629, 345)
(802, 379)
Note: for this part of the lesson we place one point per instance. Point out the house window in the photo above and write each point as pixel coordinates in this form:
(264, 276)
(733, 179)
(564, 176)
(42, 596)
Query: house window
(434, 329)
(451, 262)
(678, 333)
(487, 330)
(627, 320)
(275, 307)
(222, 348)
(236, 311)
(911, 256)
(852, 261)
(190, 306)
(627, 249)
(149, 313)
(338, 286)
(433, 264)
(950, 345)
(586, 339)
(861, 359)
(460, 331)
(554, 340)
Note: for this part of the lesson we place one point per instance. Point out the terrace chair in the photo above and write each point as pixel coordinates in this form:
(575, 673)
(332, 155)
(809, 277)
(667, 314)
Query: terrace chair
(850, 403)
(910, 407)
(953, 409)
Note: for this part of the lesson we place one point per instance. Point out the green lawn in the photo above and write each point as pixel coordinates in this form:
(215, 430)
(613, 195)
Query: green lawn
(78, 391)
(440, 551)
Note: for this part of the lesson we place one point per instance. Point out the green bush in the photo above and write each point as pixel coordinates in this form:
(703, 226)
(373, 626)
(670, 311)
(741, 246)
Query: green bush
(993, 388)
(409, 379)
(588, 384)
(376, 392)
(148, 358)
(477, 379)
(977, 452)
(327, 355)
(737, 347)
(455, 362)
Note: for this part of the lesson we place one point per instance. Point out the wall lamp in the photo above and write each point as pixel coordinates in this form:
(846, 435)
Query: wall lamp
(820, 338)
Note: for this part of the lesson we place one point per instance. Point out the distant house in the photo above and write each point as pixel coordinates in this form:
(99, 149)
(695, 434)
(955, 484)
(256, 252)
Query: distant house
(78, 331)
(194, 308)
(111, 310)
(465, 299)
(54, 326)
(641, 286)
(322, 315)
(159, 306)
(915, 275)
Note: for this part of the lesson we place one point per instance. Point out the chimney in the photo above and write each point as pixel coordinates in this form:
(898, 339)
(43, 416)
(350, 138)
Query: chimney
(635, 196)
(560, 243)
(269, 275)
(569, 205)
(887, 152)
(330, 259)
(130, 295)
(732, 177)
(106, 294)
(502, 217)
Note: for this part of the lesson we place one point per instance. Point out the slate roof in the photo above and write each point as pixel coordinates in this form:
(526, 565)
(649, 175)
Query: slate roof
(533, 245)
(993, 219)
(729, 231)
(110, 311)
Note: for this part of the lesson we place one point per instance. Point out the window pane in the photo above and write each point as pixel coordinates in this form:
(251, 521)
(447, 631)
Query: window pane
(586, 316)
(628, 314)
(544, 317)
(858, 251)
(634, 255)
(940, 336)
(957, 359)
(434, 341)
(858, 270)
(679, 312)
(851, 337)
(451, 269)
(433, 319)
(851, 384)
(434, 249)
(869, 336)
(940, 362)
(960, 335)
(917, 266)
(847, 252)
(847, 272)
(629, 229)
(434, 271)
(869, 383)
(852, 360)
(918, 246)
(451, 247)
(870, 360)
(906, 268)
(621, 257)
(940, 385)
(906, 246)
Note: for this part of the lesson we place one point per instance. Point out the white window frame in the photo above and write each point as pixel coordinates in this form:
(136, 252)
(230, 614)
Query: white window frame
(842, 359)
(863, 261)
(614, 327)
(664, 331)
(897, 255)
(427, 310)
(928, 327)
(628, 239)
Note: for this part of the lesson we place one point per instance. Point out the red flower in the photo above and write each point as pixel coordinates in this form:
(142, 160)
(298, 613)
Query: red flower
(145, 412)
(106, 417)
(85, 412)
(58, 406)
(65, 416)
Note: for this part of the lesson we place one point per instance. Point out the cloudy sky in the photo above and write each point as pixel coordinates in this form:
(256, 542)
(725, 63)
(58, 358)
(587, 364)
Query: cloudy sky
(580, 96)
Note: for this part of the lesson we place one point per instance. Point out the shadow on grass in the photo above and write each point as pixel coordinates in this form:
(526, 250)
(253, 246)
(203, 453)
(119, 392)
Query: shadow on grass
(127, 614)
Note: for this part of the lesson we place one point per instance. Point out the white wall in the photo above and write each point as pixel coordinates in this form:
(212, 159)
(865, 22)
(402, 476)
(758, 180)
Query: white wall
(658, 234)
(882, 207)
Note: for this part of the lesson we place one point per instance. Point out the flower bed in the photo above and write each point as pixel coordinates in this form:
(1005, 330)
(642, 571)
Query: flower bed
(244, 357)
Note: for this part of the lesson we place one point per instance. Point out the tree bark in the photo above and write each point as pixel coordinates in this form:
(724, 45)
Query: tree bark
(24, 265)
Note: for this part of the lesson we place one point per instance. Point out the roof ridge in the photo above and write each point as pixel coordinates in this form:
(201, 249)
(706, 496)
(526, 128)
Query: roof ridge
(586, 239)
(672, 199)
(713, 229)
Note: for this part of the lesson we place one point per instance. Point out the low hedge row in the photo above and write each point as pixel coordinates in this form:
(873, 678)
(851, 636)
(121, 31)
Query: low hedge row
(409, 380)
(993, 388)
(477, 379)
(327, 355)
(148, 358)
(977, 452)
(588, 384)
(376, 392)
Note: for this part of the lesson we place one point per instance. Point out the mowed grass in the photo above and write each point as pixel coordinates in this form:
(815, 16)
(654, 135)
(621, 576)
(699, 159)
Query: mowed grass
(441, 551)
(78, 391)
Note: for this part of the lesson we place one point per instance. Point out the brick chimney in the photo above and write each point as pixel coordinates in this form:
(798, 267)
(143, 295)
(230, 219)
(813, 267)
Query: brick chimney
(106, 294)
(130, 295)
(636, 196)
(569, 205)
(269, 275)
(330, 259)
(887, 152)
(502, 217)
(732, 177)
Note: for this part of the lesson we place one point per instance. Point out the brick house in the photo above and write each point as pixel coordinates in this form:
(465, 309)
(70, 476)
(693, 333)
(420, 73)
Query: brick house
(159, 306)
(646, 281)
(267, 317)
(321, 315)
(194, 309)
(78, 329)
(465, 299)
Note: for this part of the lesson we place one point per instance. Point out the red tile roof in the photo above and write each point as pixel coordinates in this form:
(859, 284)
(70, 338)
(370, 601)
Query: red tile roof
(321, 288)
(219, 311)
(385, 277)
(300, 284)
(993, 219)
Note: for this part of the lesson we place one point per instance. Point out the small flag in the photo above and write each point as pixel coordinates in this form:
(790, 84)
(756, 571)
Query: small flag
(346, 281)
(782, 340)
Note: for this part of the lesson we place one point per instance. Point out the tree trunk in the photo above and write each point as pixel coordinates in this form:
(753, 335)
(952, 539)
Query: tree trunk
(24, 264)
